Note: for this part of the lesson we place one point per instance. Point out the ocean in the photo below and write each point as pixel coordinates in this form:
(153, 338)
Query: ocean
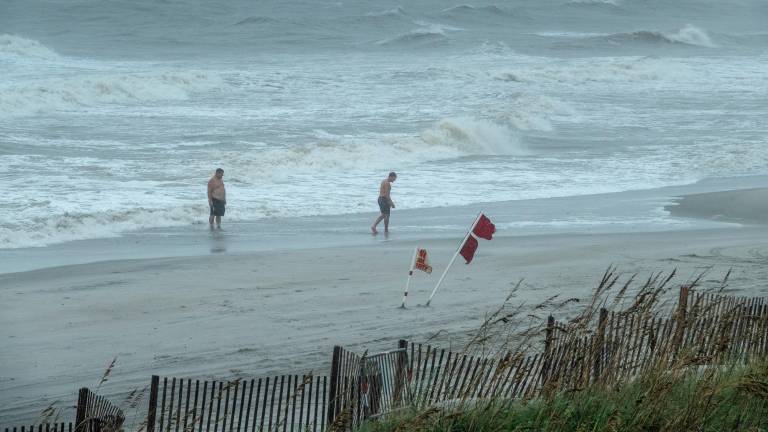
(114, 114)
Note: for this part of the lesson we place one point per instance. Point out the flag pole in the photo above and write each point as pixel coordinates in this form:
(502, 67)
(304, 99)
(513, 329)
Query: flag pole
(440, 281)
(410, 275)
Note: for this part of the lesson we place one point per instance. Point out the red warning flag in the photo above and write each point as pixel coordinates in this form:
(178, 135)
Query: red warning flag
(484, 228)
(469, 248)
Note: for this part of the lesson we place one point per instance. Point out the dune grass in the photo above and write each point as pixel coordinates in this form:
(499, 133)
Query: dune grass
(732, 399)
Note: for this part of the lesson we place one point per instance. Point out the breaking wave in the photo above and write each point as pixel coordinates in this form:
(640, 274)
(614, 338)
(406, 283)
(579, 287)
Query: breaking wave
(474, 136)
(394, 12)
(595, 2)
(86, 88)
(469, 9)
(43, 231)
(63, 94)
(688, 35)
(535, 112)
(446, 139)
(429, 34)
(20, 47)
(692, 36)
(618, 70)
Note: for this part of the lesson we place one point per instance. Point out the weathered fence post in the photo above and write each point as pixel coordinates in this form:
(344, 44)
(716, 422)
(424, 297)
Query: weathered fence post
(681, 317)
(152, 411)
(400, 372)
(598, 348)
(548, 340)
(82, 403)
(333, 390)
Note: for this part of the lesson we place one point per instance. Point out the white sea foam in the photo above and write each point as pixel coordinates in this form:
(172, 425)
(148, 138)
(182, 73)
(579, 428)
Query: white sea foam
(690, 35)
(427, 33)
(474, 136)
(396, 11)
(565, 34)
(16, 46)
(614, 70)
(446, 139)
(73, 92)
(595, 2)
(465, 8)
(68, 226)
(535, 112)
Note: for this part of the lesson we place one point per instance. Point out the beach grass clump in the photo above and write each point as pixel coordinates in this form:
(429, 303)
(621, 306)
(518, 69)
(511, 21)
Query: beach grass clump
(730, 399)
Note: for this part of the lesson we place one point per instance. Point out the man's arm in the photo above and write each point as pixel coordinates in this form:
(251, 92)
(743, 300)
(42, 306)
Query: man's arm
(210, 191)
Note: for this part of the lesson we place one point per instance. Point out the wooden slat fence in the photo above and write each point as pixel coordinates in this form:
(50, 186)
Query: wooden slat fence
(364, 386)
(281, 403)
(44, 427)
(381, 379)
(436, 376)
(703, 329)
(93, 413)
(96, 413)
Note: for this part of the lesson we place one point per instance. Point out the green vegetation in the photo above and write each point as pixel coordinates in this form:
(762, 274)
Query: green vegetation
(680, 399)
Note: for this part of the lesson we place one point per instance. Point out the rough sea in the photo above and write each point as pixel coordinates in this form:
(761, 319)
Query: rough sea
(114, 114)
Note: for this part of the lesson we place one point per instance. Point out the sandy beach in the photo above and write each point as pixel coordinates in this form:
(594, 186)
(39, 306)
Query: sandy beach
(257, 313)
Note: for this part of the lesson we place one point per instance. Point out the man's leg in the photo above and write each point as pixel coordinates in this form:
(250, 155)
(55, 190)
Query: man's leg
(210, 220)
(218, 221)
(378, 219)
(386, 223)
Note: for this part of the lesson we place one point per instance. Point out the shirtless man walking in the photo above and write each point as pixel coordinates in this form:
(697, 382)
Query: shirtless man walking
(385, 202)
(217, 197)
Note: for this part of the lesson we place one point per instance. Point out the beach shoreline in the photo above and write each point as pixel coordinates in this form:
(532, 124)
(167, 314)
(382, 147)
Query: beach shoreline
(630, 211)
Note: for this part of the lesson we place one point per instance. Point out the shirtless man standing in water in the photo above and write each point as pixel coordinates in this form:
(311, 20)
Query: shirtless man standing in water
(217, 197)
(385, 202)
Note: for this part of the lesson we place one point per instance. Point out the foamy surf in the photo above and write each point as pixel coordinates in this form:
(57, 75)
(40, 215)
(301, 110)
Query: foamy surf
(688, 35)
(92, 89)
(474, 136)
(19, 47)
(427, 34)
(692, 36)
(39, 231)
(595, 2)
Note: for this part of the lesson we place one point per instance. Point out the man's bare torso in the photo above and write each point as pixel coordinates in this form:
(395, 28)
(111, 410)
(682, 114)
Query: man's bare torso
(216, 186)
(385, 188)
